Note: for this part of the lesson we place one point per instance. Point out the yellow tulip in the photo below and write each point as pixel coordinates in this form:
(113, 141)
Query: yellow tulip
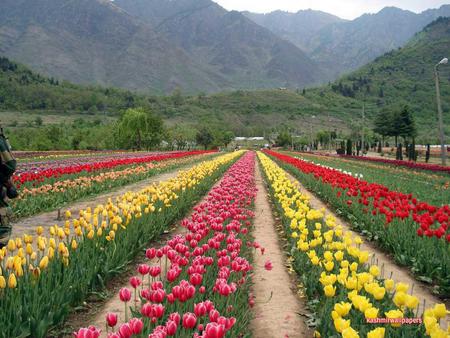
(350, 333)
(363, 257)
(376, 333)
(389, 284)
(341, 324)
(339, 255)
(12, 281)
(399, 298)
(429, 323)
(342, 308)
(44, 262)
(440, 311)
(11, 245)
(374, 271)
(411, 301)
(329, 265)
(371, 312)
(401, 287)
(29, 249)
(74, 244)
(51, 253)
(329, 290)
(2, 282)
(379, 293)
(394, 314)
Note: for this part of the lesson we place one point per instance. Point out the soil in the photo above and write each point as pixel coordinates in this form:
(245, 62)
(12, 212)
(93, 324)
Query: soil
(277, 307)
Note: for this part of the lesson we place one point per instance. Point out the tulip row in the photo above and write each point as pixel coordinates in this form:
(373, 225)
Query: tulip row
(32, 155)
(42, 278)
(409, 164)
(54, 195)
(39, 175)
(427, 186)
(347, 294)
(197, 284)
(391, 218)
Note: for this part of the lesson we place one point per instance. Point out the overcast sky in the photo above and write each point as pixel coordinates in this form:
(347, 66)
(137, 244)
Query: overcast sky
(347, 9)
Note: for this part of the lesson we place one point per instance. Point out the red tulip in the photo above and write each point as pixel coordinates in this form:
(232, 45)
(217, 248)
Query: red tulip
(214, 330)
(171, 328)
(91, 332)
(125, 295)
(136, 325)
(125, 331)
(150, 253)
(143, 269)
(189, 320)
(111, 319)
(268, 265)
(135, 282)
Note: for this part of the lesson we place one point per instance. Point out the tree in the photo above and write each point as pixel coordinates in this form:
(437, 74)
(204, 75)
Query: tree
(349, 147)
(406, 124)
(383, 123)
(138, 128)
(204, 137)
(227, 138)
(38, 121)
(284, 139)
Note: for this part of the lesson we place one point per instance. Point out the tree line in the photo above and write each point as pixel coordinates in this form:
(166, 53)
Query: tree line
(136, 129)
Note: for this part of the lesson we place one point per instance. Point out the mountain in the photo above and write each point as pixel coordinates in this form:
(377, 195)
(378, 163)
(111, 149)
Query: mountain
(300, 28)
(244, 53)
(192, 45)
(95, 42)
(340, 46)
(24, 90)
(405, 77)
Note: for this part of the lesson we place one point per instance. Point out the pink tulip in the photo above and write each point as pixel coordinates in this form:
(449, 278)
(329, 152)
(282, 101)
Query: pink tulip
(136, 325)
(268, 265)
(125, 295)
(125, 331)
(90, 332)
(189, 320)
(214, 330)
(135, 282)
(111, 319)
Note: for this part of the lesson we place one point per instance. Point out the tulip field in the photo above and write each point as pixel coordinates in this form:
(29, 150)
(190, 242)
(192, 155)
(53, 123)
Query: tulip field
(345, 291)
(413, 230)
(199, 281)
(53, 181)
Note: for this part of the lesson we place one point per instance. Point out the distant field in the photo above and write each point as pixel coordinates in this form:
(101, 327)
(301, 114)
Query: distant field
(21, 119)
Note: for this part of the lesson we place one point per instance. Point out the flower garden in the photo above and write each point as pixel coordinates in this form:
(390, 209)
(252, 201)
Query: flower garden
(200, 281)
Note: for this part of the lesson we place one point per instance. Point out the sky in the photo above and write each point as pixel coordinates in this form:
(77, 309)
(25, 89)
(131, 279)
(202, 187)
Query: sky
(346, 9)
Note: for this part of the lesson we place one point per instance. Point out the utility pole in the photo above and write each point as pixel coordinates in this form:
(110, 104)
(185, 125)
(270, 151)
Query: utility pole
(439, 107)
(362, 129)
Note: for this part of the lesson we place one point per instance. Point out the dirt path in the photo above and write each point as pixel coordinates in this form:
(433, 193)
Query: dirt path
(386, 263)
(47, 219)
(277, 307)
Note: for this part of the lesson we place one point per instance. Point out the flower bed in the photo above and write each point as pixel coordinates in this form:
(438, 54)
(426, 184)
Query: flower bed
(42, 278)
(347, 293)
(58, 193)
(409, 164)
(197, 284)
(395, 220)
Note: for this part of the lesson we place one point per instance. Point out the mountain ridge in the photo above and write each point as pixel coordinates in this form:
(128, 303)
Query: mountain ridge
(100, 42)
(341, 46)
